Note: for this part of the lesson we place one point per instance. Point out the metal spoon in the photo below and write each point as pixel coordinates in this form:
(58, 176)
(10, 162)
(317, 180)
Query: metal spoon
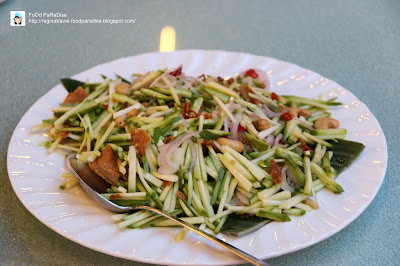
(75, 166)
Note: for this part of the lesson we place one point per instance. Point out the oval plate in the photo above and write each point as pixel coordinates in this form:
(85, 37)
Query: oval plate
(35, 174)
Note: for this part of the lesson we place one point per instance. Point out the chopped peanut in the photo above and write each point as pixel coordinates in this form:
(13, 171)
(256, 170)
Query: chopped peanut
(120, 121)
(304, 112)
(236, 145)
(261, 124)
(326, 122)
(211, 143)
(295, 112)
(150, 111)
(122, 88)
(133, 112)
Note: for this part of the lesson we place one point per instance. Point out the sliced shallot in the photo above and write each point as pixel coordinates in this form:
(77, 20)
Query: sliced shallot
(285, 185)
(278, 139)
(166, 151)
(268, 112)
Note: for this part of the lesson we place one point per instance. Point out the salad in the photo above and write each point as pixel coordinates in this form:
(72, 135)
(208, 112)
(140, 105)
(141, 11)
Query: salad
(224, 153)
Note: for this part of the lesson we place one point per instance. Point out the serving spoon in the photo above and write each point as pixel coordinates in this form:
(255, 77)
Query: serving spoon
(76, 166)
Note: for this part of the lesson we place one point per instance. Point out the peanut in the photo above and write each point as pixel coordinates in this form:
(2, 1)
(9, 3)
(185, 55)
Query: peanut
(326, 122)
(151, 111)
(236, 145)
(122, 88)
(295, 112)
(304, 112)
(120, 121)
(133, 112)
(211, 143)
(261, 124)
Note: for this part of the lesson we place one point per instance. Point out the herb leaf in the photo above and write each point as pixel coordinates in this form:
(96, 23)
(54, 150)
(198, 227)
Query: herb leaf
(344, 153)
(237, 225)
(71, 84)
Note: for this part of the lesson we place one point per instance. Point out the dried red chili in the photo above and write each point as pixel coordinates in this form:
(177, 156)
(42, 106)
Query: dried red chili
(176, 72)
(306, 148)
(241, 128)
(274, 96)
(287, 117)
(190, 114)
(252, 73)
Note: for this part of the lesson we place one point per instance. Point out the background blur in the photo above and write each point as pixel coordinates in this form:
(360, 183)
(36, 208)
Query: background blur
(355, 43)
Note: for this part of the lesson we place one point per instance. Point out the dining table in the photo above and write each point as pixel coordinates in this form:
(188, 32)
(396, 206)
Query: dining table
(354, 43)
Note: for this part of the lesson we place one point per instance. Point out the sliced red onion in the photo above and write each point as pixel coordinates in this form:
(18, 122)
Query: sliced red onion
(136, 80)
(166, 151)
(234, 130)
(278, 139)
(303, 123)
(292, 177)
(263, 78)
(215, 114)
(231, 106)
(160, 83)
(157, 80)
(226, 126)
(285, 185)
(239, 116)
(268, 112)
(151, 101)
(176, 143)
(172, 81)
(247, 80)
(242, 198)
(164, 168)
(194, 154)
(251, 114)
(270, 140)
(192, 89)
(234, 127)
(158, 114)
(188, 82)
(190, 79)
(184, 86)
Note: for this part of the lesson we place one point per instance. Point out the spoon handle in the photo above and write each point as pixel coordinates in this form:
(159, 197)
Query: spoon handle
(223, 244)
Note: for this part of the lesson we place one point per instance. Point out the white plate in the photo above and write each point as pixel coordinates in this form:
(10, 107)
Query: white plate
(35, 175)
